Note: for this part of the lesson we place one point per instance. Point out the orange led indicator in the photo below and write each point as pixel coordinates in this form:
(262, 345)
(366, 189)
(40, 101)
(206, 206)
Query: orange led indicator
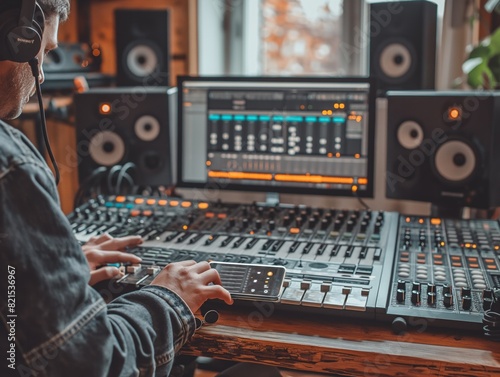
(408, 219)
(354, 188)
(357, 155)
(435, 221)
(209, 163)
(120, 199)
(420, 221)
(185, 227)
(454, 113)
(342, 106)
(203, 205)
(336, 106)
(105, 108)
(270, 273)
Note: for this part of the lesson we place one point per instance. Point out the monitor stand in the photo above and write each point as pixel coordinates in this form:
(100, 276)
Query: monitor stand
(447, 212)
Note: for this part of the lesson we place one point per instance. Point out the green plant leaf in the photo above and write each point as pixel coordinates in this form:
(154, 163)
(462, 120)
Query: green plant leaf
(479, 75)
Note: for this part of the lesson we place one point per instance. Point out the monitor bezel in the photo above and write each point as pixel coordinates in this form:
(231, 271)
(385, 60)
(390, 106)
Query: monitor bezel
(368, 193)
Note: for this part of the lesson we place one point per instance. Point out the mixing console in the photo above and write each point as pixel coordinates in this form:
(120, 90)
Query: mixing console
(445, 270)
(368, 264)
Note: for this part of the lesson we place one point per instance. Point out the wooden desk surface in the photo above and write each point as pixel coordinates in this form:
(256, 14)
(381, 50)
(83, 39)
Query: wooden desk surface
(348, 348)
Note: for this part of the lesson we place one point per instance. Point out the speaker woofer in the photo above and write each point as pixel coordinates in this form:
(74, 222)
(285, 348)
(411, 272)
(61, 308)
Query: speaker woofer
(396, 61)
(107, 148)
(141, 60)
(410, 134)
(147, 128)
(455, 161)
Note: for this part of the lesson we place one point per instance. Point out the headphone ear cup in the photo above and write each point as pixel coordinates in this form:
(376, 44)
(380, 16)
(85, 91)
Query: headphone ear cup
(8, 22)
(22, 42)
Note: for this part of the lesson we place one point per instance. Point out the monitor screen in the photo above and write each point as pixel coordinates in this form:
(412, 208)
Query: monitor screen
(284, 135)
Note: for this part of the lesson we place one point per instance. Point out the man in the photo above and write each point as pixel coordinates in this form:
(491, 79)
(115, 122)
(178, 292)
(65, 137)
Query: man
(53, 322)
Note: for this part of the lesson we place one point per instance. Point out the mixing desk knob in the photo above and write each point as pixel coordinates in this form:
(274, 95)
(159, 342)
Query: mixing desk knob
(324, 224)
(337, 225)
(350, 225)
(400, 295)
(465, 291)
(258, 224)
(271, 214)
(286, 220)
(232, 221)
(402, 284)
(303, 215)
(244, 222)
(298, 221)
(431, 298)
(415, 297)
(316, 215)
(431, 288)
(448, 300)
(446, 289)
(312, 222)
(466, 302)
(271, 225)
(415, 286)
(377, 227)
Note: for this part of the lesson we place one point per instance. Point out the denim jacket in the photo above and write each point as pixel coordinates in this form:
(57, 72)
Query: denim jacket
(61, 325)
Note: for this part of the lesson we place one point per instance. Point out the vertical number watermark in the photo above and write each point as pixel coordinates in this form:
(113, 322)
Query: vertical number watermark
(11, 317)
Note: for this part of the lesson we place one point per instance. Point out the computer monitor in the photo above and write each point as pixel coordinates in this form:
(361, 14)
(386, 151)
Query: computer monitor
(296, 135)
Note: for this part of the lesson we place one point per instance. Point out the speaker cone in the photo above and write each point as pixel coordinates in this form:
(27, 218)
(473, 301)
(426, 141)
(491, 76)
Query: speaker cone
(410, 134)
(107, 148)
(141, 60)
(147, 128)
(396, 61)
(455, 161)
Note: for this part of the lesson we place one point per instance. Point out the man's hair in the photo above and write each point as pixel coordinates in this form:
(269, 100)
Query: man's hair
(55, 7)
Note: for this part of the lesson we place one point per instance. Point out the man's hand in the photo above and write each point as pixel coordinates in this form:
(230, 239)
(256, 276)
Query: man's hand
(105, 249)
(190, 280)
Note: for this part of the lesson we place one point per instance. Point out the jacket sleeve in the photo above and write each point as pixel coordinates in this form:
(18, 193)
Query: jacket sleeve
(62, 325)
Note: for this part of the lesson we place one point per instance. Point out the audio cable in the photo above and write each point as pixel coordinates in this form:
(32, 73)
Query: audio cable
(36, 74)
(491, 319)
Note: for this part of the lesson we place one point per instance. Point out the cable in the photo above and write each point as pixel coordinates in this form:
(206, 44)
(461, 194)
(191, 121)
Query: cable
(354, 190)
(491, 319)
(121, 175)
(36, 73)
(88, 182)
(111, 173)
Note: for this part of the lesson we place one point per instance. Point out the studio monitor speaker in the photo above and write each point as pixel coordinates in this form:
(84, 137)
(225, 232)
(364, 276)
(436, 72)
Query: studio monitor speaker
(443, 148)
(120, 126)
(403, 44)
(142, 47)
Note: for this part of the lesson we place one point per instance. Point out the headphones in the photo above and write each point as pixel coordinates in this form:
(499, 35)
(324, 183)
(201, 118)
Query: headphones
(21, 30)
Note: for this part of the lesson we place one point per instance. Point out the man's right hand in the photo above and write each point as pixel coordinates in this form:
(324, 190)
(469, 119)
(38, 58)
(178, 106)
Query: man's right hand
(190, 280)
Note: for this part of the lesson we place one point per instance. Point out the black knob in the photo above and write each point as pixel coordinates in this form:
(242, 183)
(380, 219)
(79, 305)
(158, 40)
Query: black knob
(258, 224)
(286, 220)
(415, 286)
(298, 221)
(316, 215)
(465, 291)
(271, 224)
(402, 284)
(232, 221)
(446, 289)
(244, 222)
(431, 288)
(271, 214)
(377, 227)
(350, 225)
(400, 295)
(303, 215)
(337, 224)
(364, 225)
(260, 210)
(431, 298)
(415, 297)
(448, 300)
(466, 302)
(312, 222)
(487, 293)
(487, 303)
(324, 224)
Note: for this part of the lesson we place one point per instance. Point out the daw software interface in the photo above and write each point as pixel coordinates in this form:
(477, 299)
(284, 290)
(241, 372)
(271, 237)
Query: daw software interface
(285, 135)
